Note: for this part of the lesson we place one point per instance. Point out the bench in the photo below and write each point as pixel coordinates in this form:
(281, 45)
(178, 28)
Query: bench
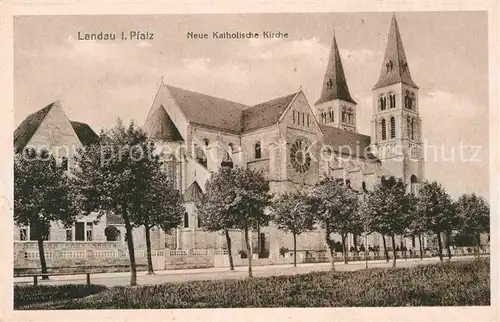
(36, 275)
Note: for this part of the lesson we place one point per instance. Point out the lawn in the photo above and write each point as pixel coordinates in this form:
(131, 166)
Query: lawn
(446, 284)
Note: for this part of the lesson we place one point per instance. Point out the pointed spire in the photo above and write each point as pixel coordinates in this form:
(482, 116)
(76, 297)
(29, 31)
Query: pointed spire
(395, 68)
(334, 84)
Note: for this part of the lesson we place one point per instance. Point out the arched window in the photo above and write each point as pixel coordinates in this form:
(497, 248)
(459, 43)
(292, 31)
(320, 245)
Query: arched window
(363, 186)
(293, 117)
(308, 124)
(384, 130)
(393, 128)
(407, 100)
(412, 128)
(257, 150)
(413, 104)
(186, 220)
(169, 166)
(408, 127)
(206, 142)
(392, 100)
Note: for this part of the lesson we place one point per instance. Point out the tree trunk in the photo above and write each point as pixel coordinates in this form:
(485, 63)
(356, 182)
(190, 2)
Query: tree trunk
(394, 250)
(249, 252)
(41, 252)
(148, 250)
(421, 247)
(440, 246)
(385, 250)
(330, 247)
(478, 245)
(448, 246)
(294, 249)
(344, 249)
(131, 253)
(228, 240)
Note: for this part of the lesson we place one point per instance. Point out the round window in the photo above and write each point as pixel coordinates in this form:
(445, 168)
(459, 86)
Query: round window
(300, 156)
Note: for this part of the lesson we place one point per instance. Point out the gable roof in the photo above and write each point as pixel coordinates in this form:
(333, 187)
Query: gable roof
(266, 113)
(28, 127)
(346, 142)
(335, 84)
(193, 192)
(395, 67)
(85, 133)
(25, 131)
(207, 110)
(159, 125)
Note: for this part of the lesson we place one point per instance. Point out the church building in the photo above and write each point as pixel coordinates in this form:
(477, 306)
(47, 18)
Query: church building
(294, 143)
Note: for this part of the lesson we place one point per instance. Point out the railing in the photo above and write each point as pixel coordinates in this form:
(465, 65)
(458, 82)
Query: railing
(200, 252)
(177, 252)
(221, 252)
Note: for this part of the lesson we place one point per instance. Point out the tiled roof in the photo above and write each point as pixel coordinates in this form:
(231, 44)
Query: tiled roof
(193, 193)
(267, 113)
(398, 70)
(208, 110)
(85, 133)
(25, 130)
(160, 126)
(335, 84)
(347, 142)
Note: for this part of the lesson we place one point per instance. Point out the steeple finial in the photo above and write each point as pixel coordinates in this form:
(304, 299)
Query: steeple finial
(162, 81)
(334, 83)
(395, 67)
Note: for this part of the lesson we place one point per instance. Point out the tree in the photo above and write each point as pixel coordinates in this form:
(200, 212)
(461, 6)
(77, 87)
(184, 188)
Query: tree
(111, 175)
(474, 214)
(436, 206)
(417, 222)
(161, 206)
(292, 213)
(214, 208)
(251, 196)
(387, 210)
(335, 208)
(42, 194)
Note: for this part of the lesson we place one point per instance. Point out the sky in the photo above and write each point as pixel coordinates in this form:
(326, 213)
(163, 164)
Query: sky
(99, 81)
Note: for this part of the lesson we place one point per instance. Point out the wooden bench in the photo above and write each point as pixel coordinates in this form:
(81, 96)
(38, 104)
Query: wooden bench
(36, 275)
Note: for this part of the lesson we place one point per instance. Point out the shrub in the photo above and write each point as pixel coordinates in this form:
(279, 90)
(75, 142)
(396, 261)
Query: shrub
(29, 294)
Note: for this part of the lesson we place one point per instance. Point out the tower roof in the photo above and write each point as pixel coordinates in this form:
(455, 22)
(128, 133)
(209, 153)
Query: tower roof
(160, 126)
(334, 84)
(395, 68)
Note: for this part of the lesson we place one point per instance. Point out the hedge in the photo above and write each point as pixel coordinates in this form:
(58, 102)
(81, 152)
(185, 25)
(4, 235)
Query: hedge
(444, 284)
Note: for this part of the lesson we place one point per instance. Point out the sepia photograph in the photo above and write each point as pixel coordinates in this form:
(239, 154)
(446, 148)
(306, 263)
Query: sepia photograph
(257, 160)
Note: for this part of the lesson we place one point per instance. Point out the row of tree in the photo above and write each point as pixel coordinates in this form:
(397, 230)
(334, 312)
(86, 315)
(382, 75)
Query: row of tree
(237, 199)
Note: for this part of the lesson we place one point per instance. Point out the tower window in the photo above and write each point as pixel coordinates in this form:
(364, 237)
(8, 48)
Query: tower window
(186, 220)
(393, 128)
(384, 130)
(412, 129)
(257, 150)
(64, 163)
(383, 103)
(293, 117)
(303, 116)
(413, 104)
(408, 127)
(307, 119)
(392, 100)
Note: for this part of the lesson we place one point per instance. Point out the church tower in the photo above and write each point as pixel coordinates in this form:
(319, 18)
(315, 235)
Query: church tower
(335, 106)
(396, 124)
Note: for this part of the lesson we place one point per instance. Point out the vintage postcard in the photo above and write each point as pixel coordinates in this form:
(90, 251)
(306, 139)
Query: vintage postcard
(337, 163)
